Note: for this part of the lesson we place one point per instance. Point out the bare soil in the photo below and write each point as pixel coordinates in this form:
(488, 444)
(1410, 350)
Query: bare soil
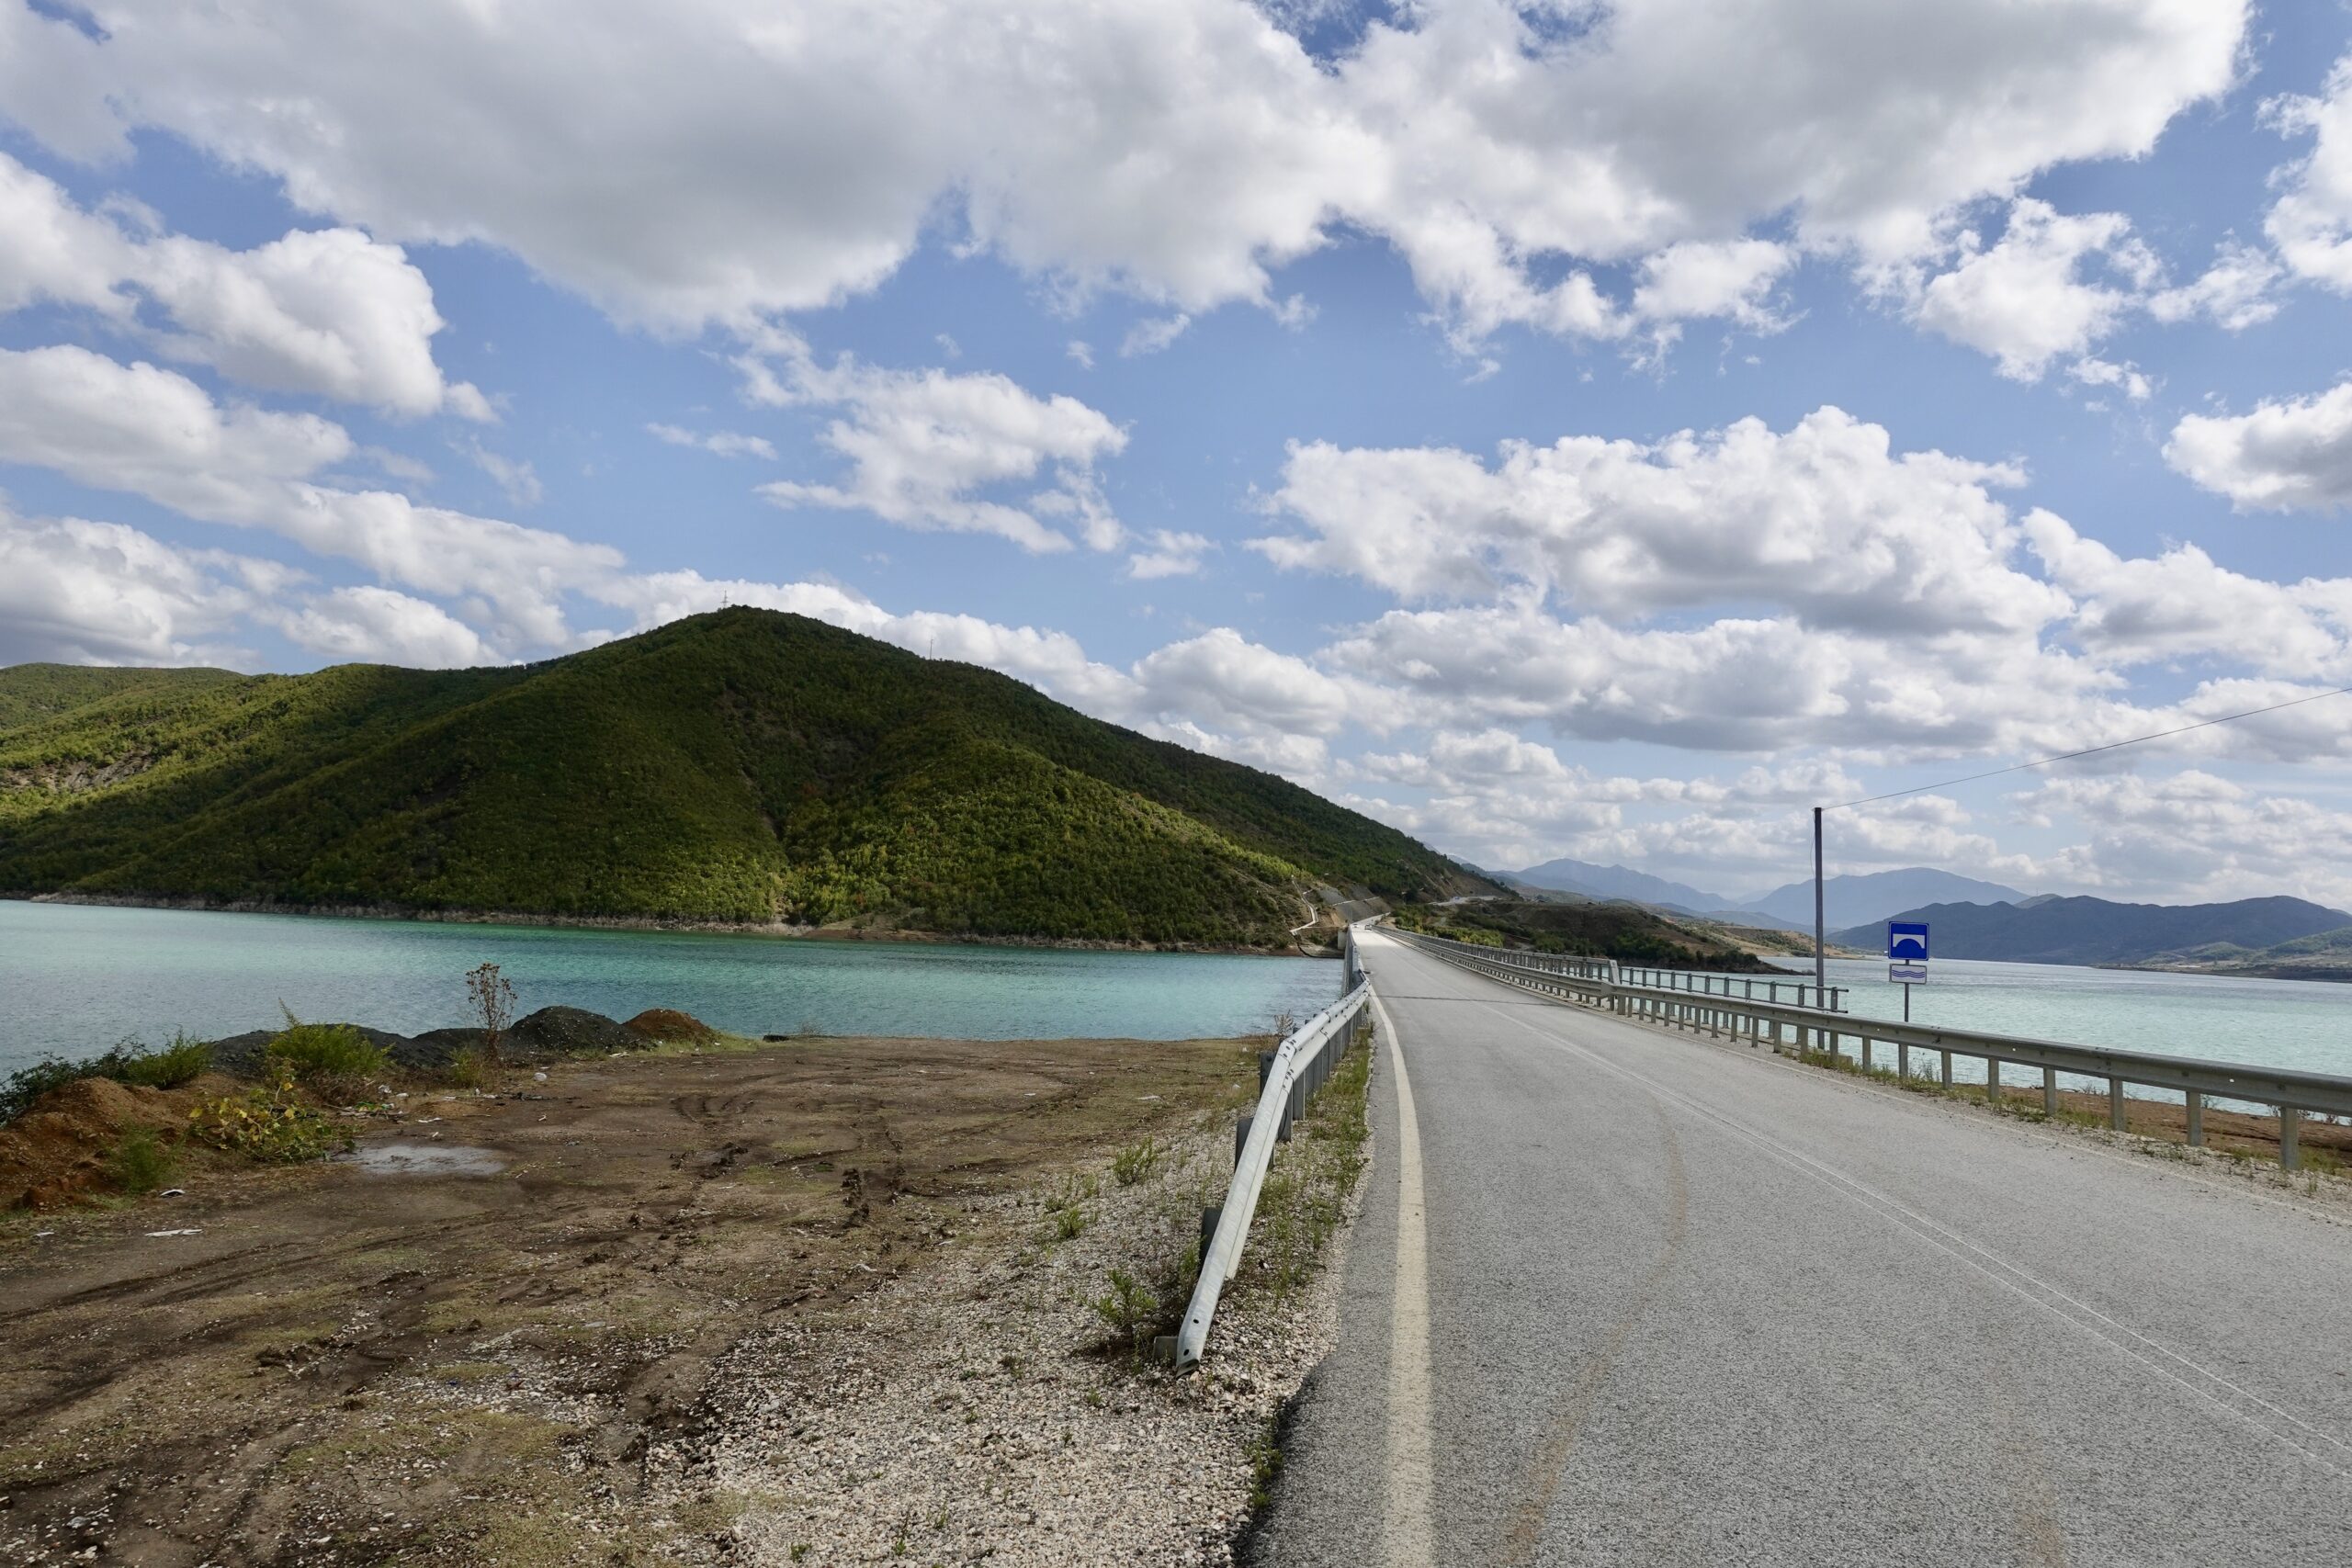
(462, 1345)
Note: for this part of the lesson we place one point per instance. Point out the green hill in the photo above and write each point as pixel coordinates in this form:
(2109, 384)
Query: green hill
(738, 766)
(30, 692)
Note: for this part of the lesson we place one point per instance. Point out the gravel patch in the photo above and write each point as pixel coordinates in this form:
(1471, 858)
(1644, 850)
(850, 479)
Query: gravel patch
(979, 1409)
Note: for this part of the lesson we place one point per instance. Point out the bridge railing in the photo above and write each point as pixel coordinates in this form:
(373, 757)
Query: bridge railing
(1297, 1067)
(2293, 1094)
(1690, 982)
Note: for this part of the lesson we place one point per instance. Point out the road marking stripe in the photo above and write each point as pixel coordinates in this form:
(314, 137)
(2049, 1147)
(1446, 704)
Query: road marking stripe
(1408, 1525)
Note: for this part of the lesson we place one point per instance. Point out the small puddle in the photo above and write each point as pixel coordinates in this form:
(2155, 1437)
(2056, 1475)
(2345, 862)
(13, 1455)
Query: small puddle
(426, 1159)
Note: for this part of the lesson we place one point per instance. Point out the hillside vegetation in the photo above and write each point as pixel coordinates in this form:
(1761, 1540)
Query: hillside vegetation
(1623, 931)
(739, 766)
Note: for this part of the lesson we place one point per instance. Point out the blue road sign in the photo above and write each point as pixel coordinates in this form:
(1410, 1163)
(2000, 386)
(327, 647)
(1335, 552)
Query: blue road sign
(1906, 974)
(1907, 940)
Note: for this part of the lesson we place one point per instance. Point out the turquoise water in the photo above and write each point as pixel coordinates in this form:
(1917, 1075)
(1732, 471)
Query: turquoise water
(2280, 1024)
(74, 980)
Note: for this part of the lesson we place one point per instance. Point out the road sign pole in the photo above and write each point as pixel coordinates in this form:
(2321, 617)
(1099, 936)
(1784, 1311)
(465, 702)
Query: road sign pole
(1820, 962)
(1906, 1001)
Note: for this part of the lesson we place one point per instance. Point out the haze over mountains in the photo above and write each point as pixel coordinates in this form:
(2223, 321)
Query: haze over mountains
(1848, 900)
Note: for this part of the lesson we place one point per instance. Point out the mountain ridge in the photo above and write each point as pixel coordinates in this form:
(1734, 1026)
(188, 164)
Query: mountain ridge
(2082, 929)
(743, 766)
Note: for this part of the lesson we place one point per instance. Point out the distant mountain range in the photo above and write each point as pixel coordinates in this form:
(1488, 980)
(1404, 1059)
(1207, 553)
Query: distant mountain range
(1851, 900)
(2097, 930)
(1848, 900)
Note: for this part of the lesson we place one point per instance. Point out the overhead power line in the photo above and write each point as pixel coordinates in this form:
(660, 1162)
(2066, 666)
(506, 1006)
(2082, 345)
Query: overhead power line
(2091, 750)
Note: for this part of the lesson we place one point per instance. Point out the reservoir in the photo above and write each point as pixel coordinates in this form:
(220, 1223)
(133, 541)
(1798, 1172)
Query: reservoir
(75, 978)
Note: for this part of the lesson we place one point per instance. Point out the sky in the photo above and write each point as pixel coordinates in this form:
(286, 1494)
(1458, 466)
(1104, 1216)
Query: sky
(1555, 428)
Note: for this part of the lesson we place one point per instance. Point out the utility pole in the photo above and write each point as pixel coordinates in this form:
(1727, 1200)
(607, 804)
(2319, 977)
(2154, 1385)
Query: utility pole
(1820, 945)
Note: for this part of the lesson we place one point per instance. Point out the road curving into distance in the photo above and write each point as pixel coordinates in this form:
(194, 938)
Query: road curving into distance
(1688, 1303)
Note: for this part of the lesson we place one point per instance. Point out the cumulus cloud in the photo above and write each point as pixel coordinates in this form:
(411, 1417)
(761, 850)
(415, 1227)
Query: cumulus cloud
(2238, 291)
(926, 449)
(1181, 150)
(79, 592)
(380, 626)
(151, 432)
(2294, 454)
(1824, 519)
(2312, 220)
(327, 311)
(2025, 299)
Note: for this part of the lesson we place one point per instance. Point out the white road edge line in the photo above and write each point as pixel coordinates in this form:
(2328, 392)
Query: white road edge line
(1408, 1523)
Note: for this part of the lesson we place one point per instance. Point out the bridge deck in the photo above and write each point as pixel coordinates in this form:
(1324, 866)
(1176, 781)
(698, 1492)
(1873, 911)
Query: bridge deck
(1688, 1303)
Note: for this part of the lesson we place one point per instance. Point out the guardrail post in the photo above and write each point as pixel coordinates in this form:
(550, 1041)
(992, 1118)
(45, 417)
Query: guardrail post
(1946, 1069)
(2196, 1118)
(1992, 1080)
(1866, 1053)
(1241, 1135)
(1209, 1218)
(1265, 1068)
(1903, 1058)
(2115, 1103)
(2290, 1154)
(2050, 1092)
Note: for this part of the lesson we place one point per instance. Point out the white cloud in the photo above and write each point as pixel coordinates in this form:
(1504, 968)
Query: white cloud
(1080, 353)
(2024, 300)
(1824, 519)
(717, 442)
(380, 626)
(2194, 835)
(926, 448)
(1733, 278)
(79, 592)
(2237, 292)
(1170, 554)
(2288, 456)
(329, 311)
(515, 478)
(1182, 150)
(154, 433)
(2312, 221)
(1152, 334)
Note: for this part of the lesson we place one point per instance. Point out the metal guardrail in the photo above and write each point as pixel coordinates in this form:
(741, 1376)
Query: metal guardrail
(2292, 1093)
(1691, 982)
(1296, 1068)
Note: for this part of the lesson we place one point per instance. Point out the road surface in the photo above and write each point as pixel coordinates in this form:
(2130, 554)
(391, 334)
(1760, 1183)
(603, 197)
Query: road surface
(1619, 1296)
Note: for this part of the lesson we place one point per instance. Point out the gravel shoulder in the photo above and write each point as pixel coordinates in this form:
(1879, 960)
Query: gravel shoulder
(820, 1302)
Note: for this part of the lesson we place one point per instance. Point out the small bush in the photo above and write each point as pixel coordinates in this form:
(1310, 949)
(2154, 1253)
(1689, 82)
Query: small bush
(183, 1061)
(1070, 1224)
(334, 1059)
(469, 1068)
(1138, 1162)
(140, 1164)
(269, 1124)
(1129, 1308)
(28, 1084)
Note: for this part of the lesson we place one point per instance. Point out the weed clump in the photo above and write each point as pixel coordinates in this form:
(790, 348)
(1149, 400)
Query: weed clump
(140, 1164)
(269, 1124)
(1130, 1309)
(1138, 1162)
(334, 1059)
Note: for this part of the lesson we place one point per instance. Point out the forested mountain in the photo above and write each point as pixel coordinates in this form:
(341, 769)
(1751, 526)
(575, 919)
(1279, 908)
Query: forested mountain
(744, 765)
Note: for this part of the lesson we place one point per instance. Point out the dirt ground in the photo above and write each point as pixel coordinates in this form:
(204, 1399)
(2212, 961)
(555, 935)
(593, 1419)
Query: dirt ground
(485, 1322)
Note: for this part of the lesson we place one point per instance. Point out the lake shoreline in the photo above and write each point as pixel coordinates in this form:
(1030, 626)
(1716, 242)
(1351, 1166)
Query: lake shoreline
(773, 929)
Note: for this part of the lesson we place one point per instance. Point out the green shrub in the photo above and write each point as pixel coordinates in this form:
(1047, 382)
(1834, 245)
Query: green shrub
(268, 1123)
(469, 1068)
(1129, 1308)
(183, 1061)
(140, 1164)
(333, 1058)
(1138, 1162)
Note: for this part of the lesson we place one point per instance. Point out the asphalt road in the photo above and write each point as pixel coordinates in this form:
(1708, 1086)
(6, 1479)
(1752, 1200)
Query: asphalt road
(1688, 1303)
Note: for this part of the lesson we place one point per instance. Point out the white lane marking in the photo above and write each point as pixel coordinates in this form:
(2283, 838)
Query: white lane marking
(1409, 1523)
(2138, 1347)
